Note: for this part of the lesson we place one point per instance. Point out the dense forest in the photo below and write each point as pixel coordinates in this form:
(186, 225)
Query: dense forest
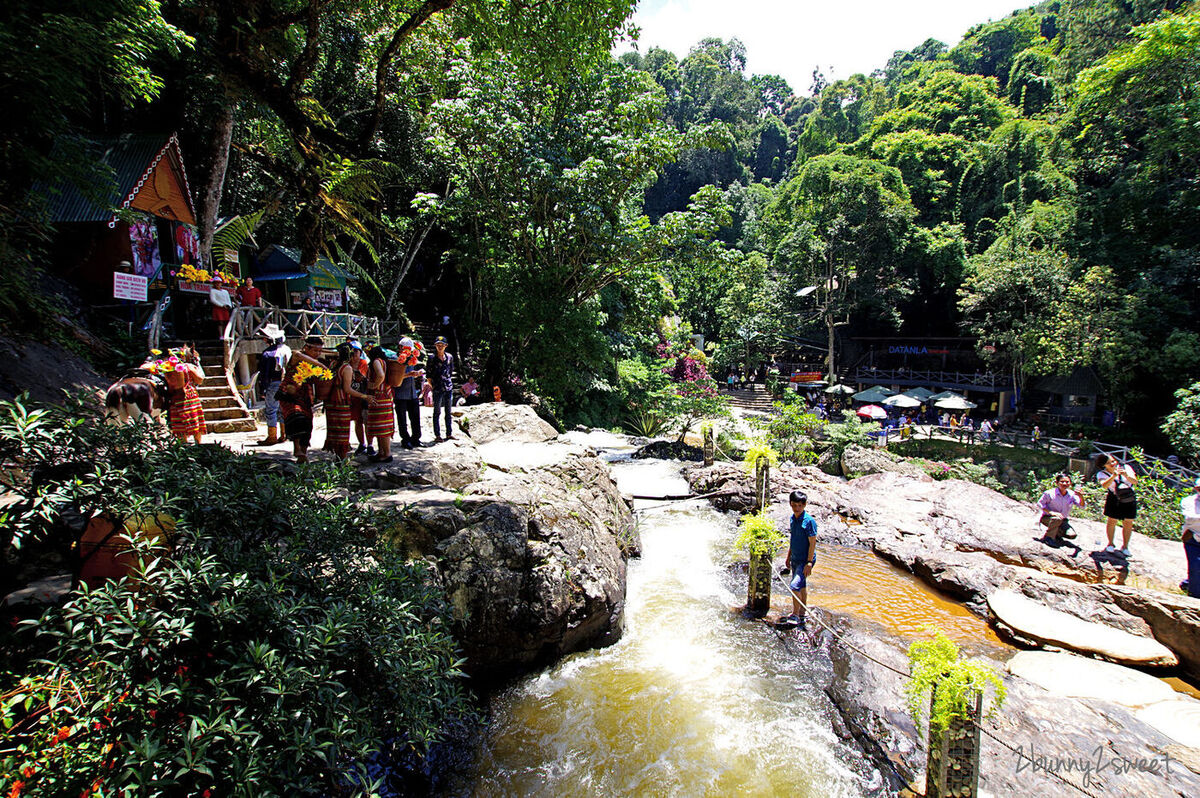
(1035, 185)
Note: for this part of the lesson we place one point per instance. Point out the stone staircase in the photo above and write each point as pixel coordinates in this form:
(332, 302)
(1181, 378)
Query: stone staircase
(223, 412)
(754, 397)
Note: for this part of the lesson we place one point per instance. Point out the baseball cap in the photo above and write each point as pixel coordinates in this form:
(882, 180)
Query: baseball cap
(406, 343)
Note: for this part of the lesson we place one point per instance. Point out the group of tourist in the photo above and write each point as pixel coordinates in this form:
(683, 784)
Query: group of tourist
(370, 393)
(222, 301)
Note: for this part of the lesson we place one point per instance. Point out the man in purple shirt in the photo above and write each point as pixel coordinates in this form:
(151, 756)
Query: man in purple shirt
(1055, 509)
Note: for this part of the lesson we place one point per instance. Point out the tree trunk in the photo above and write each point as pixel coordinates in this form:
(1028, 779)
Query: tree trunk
(208, 192)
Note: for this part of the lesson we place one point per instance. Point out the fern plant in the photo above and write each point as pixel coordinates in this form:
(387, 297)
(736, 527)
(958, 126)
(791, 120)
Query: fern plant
(935, 666)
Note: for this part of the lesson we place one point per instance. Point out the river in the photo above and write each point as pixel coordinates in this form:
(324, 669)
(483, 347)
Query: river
(693, 700)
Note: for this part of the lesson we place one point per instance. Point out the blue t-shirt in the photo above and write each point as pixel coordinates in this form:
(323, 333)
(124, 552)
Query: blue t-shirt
(802, 529)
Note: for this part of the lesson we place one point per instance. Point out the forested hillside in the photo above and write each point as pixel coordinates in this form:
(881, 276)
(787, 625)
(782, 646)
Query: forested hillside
(1035, 184)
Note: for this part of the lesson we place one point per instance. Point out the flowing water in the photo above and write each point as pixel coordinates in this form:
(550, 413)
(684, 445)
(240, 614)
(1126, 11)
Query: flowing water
(694, 700)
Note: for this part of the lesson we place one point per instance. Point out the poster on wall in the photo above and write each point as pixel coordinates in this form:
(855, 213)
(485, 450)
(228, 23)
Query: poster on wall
(143, 240)
(187, 245)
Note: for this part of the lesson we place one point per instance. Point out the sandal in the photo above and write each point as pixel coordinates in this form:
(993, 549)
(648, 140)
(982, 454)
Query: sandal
(378, 459)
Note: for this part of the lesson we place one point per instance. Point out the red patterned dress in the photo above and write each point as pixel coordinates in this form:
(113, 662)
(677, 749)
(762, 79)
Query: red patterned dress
(185, 414)
(337, 417)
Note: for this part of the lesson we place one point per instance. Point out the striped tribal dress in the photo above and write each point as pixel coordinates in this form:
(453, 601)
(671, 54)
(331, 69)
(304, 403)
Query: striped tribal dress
(185, 414)
(337, 418)
(381, 415)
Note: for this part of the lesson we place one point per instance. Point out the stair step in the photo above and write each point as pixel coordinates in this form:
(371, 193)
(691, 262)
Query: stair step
(215, 380)
(231, 425)
(213, 390)
(215, 402)
(223, 413)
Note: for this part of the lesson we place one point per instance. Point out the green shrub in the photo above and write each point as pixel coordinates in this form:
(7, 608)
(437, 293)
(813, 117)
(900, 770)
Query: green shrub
(790, 429)
(757, 535)
(936, 664)
(274, 652)
(758, 450)
(853, 430)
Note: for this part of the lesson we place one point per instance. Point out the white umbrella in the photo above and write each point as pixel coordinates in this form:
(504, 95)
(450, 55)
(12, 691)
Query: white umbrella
(839, 389)
(946, 395)
(900, 400)
(954, 403)
(919, 393)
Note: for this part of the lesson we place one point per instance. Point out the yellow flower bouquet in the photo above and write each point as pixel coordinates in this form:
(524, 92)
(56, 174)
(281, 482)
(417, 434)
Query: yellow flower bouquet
(307, 371)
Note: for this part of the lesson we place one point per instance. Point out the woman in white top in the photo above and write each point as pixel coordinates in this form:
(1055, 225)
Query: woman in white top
(1120, 502)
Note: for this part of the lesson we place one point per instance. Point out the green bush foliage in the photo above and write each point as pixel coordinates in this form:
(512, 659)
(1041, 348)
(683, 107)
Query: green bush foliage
(757, 534)
(275, 651)
(936, 664)
(852, 430)
(790, 429)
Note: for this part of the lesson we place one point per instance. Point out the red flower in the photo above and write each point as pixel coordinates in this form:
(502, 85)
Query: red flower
(16, 789)
(206, 794)
(63, 734)
(28, 771)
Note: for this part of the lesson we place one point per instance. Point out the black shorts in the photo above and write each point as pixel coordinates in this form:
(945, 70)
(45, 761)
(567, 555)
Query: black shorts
(1119, 510)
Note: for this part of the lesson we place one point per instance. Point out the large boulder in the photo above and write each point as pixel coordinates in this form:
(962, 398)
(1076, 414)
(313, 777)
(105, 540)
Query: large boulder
(857, 461)
(1033, 620)
(452, 465)
(532, 562)
(500, 421)
(1174, 619)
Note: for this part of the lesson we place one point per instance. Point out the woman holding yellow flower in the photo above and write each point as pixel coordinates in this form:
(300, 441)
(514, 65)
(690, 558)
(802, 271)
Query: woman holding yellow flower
(296, 394)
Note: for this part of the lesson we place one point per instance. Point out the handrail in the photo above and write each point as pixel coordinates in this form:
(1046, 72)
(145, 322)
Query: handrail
(989, 379)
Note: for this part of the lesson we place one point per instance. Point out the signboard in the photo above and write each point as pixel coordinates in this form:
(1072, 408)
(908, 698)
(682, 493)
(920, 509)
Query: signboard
(231, 256)
(130, 286)
(806, 376)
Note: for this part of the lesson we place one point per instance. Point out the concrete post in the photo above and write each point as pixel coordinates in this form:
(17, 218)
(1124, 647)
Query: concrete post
(709, 446)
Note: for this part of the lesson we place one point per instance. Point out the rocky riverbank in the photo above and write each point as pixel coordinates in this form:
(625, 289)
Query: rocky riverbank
(973, 543)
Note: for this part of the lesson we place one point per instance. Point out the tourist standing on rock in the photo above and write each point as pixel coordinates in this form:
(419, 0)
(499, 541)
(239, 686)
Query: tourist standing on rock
(440, 371)
(1056, 505)
(1191, 544)
(379, 412)
(1120, 503)
(408, 401)
(801, 556)
(272, 363)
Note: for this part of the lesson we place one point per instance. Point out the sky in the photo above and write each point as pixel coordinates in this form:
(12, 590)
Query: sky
(792, 37)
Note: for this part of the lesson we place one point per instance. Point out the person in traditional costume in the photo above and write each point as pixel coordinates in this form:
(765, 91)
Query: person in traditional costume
(296, 400)
(337, 406)
(380, 419)
(184, 412)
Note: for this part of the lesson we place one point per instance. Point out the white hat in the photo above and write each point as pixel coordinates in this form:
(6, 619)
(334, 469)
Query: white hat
(272, 332)
(406, 343)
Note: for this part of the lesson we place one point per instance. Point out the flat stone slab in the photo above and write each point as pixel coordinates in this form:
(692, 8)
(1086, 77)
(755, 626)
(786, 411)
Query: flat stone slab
(1081, 677)
(1179, 719)
(1039, 623)
(505, 455)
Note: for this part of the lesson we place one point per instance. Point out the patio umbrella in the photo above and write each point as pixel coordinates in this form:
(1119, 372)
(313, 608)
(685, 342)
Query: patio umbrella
(872, 411)
(954, 403)
(882, 390)
(945, 395)
(919, 393)
(839, 388)
(870, 395)
(902, 400)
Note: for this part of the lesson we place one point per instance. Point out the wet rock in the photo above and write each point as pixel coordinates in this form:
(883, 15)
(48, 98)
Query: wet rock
(857, 461)
(670, 450)
(500, 421)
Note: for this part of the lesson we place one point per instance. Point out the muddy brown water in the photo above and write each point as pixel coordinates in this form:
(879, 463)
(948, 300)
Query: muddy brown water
(694, 701)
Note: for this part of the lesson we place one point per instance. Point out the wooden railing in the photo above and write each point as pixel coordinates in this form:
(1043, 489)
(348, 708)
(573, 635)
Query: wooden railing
(980, 380)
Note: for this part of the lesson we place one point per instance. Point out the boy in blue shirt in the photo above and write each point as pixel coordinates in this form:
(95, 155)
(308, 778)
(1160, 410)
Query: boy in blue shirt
(801, 556)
